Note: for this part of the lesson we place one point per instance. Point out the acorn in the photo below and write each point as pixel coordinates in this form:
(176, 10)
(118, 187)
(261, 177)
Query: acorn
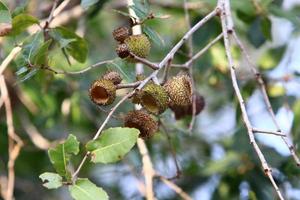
(182, 111)
(142, 121)
(103, 92)
(179, 89)
(113, 76)
(5, 29)
(154, 98)
(121, 33)
(138, 45)
(122, 50)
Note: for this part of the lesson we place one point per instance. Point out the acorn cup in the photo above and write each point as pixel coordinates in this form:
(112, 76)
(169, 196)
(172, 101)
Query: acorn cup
(138, 45)
(179, 89)
(102, 92)
(122, 50)
(142, 121)
(154, 98)
(113, 76)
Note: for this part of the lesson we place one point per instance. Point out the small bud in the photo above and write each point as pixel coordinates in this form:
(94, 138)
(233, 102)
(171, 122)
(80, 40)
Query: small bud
(113, 76)
(121, 33)
(122, 50)
(103, 92)
(5, 28)
(142, 121)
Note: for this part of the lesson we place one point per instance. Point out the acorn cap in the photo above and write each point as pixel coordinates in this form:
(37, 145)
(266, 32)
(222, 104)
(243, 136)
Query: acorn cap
(121, 33)
(5, 28)
(182, 111)
(113, 76)
(154, 98)
(138, 45)
(122, 50)
(103, 92)
(179, 89)
(142, 121)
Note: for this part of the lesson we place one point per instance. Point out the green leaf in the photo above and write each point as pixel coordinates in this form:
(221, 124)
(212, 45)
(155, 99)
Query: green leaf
(60, 155)
(5, 16)
(41, 54)
(141, 10)
(255, 34)
(22, 70)
(84, 189)
(21, 22)
(74, 45)
(113, 144)
(266, 26)
(124, 68)
(28, 75)
(51, 180)
(154, 36)
(87, 3)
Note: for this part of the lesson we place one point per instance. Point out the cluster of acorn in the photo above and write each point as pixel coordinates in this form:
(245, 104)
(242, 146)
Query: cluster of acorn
(175, 94)
(138, 45)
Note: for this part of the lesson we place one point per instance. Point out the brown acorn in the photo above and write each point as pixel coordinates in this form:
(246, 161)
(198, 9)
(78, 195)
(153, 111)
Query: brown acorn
(102, 92)
(142, 121)
(113, 76)
(121, 33)
(179, 89)
(5, 29)
(182, 111)
(122, 50)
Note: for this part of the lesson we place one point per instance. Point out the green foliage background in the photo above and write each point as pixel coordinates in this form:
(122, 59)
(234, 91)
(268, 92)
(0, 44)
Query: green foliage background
(49, 94)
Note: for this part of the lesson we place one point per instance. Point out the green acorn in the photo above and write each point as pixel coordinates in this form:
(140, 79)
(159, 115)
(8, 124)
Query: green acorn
(179, 89)
(113, 76)
(154, 98)
(138, 45)
(142, 121)
(121, 33)
(5, 28)
(182, 111)
(103, 92)
(122, 50)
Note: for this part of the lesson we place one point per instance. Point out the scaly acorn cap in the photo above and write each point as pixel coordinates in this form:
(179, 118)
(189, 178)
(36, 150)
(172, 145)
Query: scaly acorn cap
(5, 28)
(122, 50)
(154, 98)
(102, 92)
(138, 45)
(140, 77)
(182, 111)
(142, 121)
(113, 76)
(121, 33)
(179, 89)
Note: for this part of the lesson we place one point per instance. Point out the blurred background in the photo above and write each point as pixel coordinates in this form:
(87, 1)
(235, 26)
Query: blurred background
(216, 160)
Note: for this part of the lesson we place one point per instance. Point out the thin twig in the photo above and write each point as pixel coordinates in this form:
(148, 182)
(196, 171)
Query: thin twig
(227, 26)
(144, 61)
(175, 188)
(129, 85)
(255, 130)
(263, 90)
(14, 141)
